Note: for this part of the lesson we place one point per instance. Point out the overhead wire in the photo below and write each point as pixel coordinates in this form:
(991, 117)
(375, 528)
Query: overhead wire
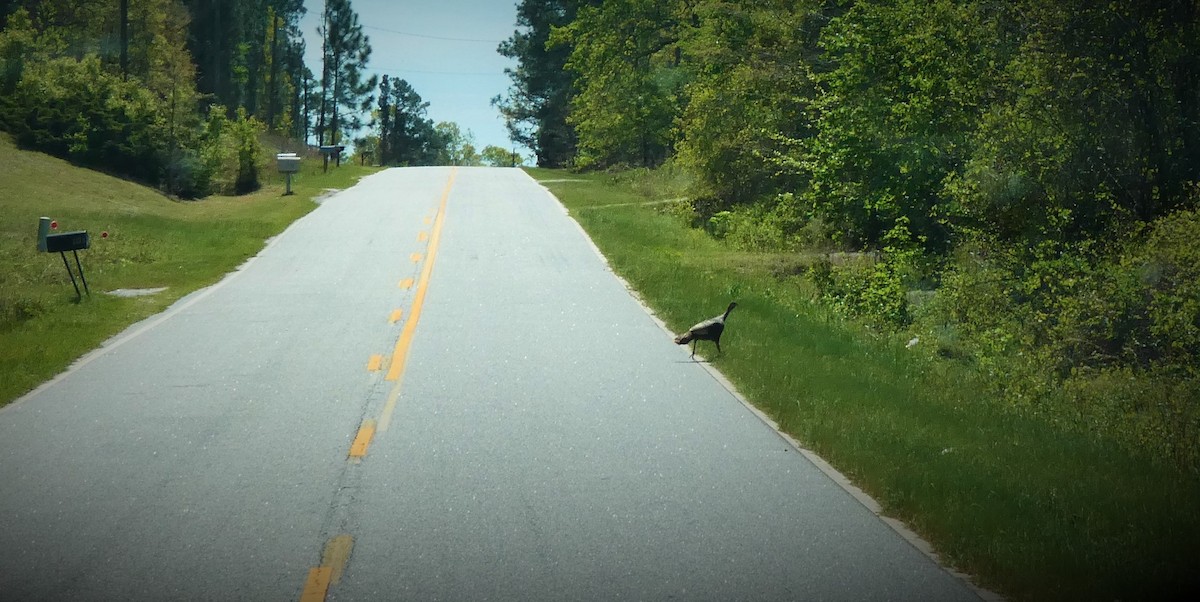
(421, 35)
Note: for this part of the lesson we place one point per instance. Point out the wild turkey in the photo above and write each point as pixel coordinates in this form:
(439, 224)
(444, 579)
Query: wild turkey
(708, 330)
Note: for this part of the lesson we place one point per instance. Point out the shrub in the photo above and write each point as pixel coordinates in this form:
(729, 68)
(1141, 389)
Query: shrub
(75, 110)
(231, 152)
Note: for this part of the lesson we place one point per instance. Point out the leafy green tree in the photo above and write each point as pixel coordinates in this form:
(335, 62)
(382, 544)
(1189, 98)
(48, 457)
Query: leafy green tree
(457, 146)
(897, 114)
(624, 55)
(77, 110)
(246, 54)
(750, 88)
(1096, 127)
(406, 135)
(536, 106)
(496, 156)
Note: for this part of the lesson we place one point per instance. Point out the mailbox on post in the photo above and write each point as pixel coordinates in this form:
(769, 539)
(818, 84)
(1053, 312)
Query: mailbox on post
(288, 163)
(67, 241)
(334, 151)
(73, 242)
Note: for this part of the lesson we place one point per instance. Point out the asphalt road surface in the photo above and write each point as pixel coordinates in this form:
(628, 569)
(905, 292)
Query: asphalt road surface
(430, 388)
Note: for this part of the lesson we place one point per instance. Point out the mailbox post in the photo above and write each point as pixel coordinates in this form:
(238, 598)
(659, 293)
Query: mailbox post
(288, 163)
(73, 242)
(334, 151)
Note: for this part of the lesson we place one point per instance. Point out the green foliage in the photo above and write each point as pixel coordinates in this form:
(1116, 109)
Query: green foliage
(628, 81)
(231, 153)
(66, 94)
(1169, 269)
(345, 93)
(76, 110)
(408, 137)
(1036, 505)
(896, 113)
(1105, 342)
(750, 89)
(455, 147)
(500, 157)
(536, 106)
(1093, 126)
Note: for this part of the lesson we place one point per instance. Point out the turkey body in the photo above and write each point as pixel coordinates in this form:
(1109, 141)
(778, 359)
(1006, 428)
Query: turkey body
(708, 330)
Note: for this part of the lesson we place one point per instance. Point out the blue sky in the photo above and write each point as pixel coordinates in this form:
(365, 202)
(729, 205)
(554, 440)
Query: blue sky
(446, 49)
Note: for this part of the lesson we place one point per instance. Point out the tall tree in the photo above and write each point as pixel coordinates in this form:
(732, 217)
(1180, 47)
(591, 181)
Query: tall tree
(896, 114)
(536, 106)
(124, 17)
(625, 57)
(384, 115)
(345, 54)
(1096, 123)
(750, 92)
(457, 146)
(409, 137)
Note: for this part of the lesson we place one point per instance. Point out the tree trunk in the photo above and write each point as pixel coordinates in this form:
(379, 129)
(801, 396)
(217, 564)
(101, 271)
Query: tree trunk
(124, 9)
(273, 78)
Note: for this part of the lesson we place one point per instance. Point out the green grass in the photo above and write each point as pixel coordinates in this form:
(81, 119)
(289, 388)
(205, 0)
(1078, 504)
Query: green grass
(1031, 511)
(153, 242)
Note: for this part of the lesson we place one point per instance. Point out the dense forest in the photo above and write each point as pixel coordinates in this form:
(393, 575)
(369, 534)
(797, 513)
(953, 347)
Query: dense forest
(1011, 185)
(185, 95)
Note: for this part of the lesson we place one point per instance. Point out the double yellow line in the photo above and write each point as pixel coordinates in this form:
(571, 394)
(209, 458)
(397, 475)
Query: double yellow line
(399, 357)
(337, 551)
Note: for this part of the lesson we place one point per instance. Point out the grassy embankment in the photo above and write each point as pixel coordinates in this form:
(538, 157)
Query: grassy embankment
(1033, 512)
(153, 242)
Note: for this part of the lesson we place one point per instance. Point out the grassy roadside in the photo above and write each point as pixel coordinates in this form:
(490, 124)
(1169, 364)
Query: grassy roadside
(153, 242)
(1031, 511)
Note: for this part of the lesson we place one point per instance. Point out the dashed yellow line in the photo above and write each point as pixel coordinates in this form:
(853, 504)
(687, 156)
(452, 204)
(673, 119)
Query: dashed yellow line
(358, 448)
(317, 584)
(415, 257)
(422, 236)
(406, 284)
(395, 317)
(333, 563)
(336, 556)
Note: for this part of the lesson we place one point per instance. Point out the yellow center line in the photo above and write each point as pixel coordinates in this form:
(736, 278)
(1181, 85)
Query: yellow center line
(395, 317)
(375, 363)
(337, 554)
(317, 584)
(415, 257)
(422, 236)
(400, 355)
(358, 448)
(333, 563)
(406, 284)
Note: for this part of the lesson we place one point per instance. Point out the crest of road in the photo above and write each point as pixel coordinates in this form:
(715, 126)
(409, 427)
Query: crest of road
(432, 387)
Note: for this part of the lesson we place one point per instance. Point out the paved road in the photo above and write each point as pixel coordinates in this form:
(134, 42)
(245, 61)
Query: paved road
(430, 388)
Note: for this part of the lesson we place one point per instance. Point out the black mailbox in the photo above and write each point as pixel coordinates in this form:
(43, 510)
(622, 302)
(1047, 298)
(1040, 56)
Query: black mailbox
(67, 241)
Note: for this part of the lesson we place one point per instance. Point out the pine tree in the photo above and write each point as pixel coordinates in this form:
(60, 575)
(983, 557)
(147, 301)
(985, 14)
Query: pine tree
(536, 106)
(345, 54)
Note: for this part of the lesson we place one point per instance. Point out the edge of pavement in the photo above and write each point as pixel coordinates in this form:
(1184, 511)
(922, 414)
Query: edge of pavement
(834, 475)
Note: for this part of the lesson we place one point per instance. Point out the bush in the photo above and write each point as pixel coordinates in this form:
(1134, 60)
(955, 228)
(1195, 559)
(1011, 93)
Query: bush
(230, 152)
(1168, 266)
(1107, 342)
(75, 110)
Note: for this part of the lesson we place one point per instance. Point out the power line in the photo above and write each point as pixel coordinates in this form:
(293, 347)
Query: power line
(421, 35)
(394, 71)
